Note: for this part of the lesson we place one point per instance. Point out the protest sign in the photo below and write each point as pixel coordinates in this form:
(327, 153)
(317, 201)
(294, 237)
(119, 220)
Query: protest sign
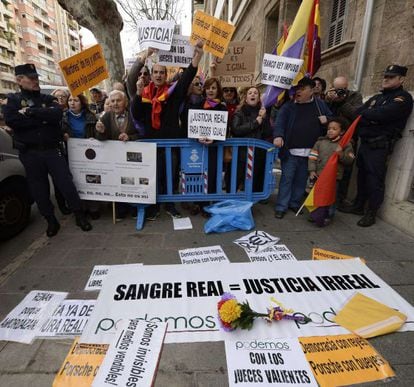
(209, 254)
(132, 358)
(344, 360)
(271, 254)
(128, 62)
(155, 34)
(256, 241)
(115, 171)
(182, 223)
(68, 319)
(23, 323)
(261, 362)
(215, 33)
(321, 254)
(98, 275)
(80, 365)
(84, 70)
(186, 296)
(280, 71)
(180, 53)
(210, 124)
(237, 67)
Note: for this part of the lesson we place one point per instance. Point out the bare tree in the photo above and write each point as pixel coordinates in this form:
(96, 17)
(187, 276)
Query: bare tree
(103, 19)
(136, 10)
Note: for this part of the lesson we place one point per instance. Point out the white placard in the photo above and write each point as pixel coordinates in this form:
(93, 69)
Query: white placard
(68, 319)
(280, 71)
(98, 275)
(129, 62)
(256, 241)
(180, 53)
(155, 34)
(115, 171)
(210, 124)
(132, 358)
(209, 254)
(23, 323)
(186, 296)
(272, 254)
(182, 223)
(260, 362)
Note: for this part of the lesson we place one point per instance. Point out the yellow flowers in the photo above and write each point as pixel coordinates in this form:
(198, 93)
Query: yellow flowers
(230, 311)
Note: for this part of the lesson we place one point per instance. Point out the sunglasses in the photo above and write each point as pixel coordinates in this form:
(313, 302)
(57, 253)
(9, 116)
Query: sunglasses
(145, 73)
(197, 84)
(225, 90)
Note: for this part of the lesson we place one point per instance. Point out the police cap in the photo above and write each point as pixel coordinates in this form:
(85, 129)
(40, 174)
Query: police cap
(27, 69)
(394, 70)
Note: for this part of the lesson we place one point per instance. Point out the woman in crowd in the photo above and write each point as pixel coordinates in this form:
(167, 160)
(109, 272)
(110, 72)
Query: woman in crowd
(251, 120)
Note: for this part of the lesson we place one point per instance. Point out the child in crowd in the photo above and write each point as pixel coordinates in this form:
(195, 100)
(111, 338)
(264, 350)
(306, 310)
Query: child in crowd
(319, 156)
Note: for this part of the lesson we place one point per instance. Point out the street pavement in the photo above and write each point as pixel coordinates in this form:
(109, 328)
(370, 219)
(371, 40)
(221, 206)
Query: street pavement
(32, 261)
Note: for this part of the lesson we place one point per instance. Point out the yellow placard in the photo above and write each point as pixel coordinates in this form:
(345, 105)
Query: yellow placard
(215, 33)
(81, 365)
(367, 317)
(84, 70)
(321, 254)
(344, 360)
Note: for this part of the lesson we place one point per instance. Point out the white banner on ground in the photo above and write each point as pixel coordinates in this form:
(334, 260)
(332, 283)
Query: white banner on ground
(209, 254)
(260, 362)
(98, 275)
(23, 323)
(182, 223)
(180, 53)
(155, 34)
(68, 319)
(132, 358)
(271, 254)
(280, 71)
(256, 241)
(186, 296)
(210, 124)
(114, 171)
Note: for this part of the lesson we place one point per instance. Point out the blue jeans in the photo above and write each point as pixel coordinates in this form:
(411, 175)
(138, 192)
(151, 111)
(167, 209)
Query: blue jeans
(292, 183)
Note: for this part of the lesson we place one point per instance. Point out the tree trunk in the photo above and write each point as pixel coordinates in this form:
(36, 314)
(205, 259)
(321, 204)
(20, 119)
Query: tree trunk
(103, 19)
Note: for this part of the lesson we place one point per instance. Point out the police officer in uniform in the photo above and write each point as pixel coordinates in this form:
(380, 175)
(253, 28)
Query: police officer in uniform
(36, 122)
(384, 116)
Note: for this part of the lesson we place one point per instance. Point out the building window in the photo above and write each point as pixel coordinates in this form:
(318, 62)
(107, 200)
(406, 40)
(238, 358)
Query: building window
(337, 23)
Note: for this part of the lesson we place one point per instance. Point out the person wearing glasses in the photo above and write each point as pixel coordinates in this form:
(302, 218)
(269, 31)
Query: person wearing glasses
(62, 96)
(138, 71)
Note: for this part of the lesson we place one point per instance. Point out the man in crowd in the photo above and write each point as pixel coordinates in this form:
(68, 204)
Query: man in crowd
(299, 123)
(157, 109)
(35, 119)
(98, 100)
(320, 87)
(384, 116)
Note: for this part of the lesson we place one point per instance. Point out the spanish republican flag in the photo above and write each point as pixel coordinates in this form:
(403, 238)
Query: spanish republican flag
(323, 193)
(313, 61)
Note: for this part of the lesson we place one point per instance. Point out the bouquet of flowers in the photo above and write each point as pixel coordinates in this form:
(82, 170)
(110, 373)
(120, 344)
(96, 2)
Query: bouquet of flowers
(233, 315)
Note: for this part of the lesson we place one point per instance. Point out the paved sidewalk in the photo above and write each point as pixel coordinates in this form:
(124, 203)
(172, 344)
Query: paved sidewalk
(64, 263)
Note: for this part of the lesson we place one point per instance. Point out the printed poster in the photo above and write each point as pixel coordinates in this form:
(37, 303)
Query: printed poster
(180, 53)
(271, 254)
(210, 124)
(114, 171)
(209, 254)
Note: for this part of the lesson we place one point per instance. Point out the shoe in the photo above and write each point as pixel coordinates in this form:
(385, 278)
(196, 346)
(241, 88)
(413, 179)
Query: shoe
(205, 214)
(368, 219)
(279, 214)
(295, 210)
(264, 201)
(95, 215)
(134, 213)
(53, 226)
(356, 209)
(64, 209)
(172, 211)
(82, 222)
(152, 213)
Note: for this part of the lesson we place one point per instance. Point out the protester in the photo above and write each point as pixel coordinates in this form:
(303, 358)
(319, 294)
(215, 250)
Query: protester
(35, 120)
(107, 106)
(320, 87)
(138, 71)
(97, 97)
(62, 96)
(251, 120)
(299, 124)
(157, 107)
(319, 156)
(118, 86)
(384, 116)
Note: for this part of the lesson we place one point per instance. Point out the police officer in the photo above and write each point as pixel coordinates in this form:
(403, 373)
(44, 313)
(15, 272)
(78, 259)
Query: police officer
(384, 116)
(35, 119)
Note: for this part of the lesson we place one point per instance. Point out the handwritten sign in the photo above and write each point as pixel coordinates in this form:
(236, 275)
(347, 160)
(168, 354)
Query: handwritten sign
(238, 65)
(215, 33)
(280, 71)
(209, 254)
(256, 241)
(84, 70)
(210, 124)
(155, 34)
(180, 54)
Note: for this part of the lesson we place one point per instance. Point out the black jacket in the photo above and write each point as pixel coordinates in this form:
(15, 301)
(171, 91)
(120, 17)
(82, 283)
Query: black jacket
(244, 124)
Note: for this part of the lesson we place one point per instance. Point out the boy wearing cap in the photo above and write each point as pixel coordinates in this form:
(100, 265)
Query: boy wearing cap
(384, 116)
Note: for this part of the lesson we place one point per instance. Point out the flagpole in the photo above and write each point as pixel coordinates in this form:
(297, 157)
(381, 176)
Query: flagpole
(300, 209)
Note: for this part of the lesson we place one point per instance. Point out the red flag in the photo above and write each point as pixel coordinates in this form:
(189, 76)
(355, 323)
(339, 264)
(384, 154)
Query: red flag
(314, 41)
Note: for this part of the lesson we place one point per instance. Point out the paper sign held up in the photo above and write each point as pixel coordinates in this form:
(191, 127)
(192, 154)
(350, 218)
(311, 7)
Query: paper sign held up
(155, 34)
(180, 53)
(84, 70)
(211, 124)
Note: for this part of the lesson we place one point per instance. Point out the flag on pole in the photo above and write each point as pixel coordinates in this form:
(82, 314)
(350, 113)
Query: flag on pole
(314, 41)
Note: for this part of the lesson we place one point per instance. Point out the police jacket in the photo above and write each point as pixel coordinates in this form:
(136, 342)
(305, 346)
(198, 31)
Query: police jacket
(385, 114)
(39, 125)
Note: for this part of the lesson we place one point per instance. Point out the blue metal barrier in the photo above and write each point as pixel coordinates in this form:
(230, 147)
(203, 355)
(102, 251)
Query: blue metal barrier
(192, 171)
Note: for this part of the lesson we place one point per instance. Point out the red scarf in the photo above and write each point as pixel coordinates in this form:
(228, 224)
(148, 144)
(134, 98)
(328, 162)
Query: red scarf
(161, 96)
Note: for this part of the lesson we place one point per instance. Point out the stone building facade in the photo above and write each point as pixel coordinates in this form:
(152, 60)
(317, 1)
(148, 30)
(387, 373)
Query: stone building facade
(359, 39)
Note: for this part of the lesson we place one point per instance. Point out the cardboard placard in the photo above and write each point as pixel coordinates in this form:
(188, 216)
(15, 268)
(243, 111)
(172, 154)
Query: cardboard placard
(84, 70)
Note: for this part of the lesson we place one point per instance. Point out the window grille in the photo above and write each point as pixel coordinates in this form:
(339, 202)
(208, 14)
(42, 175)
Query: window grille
(337, 22)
